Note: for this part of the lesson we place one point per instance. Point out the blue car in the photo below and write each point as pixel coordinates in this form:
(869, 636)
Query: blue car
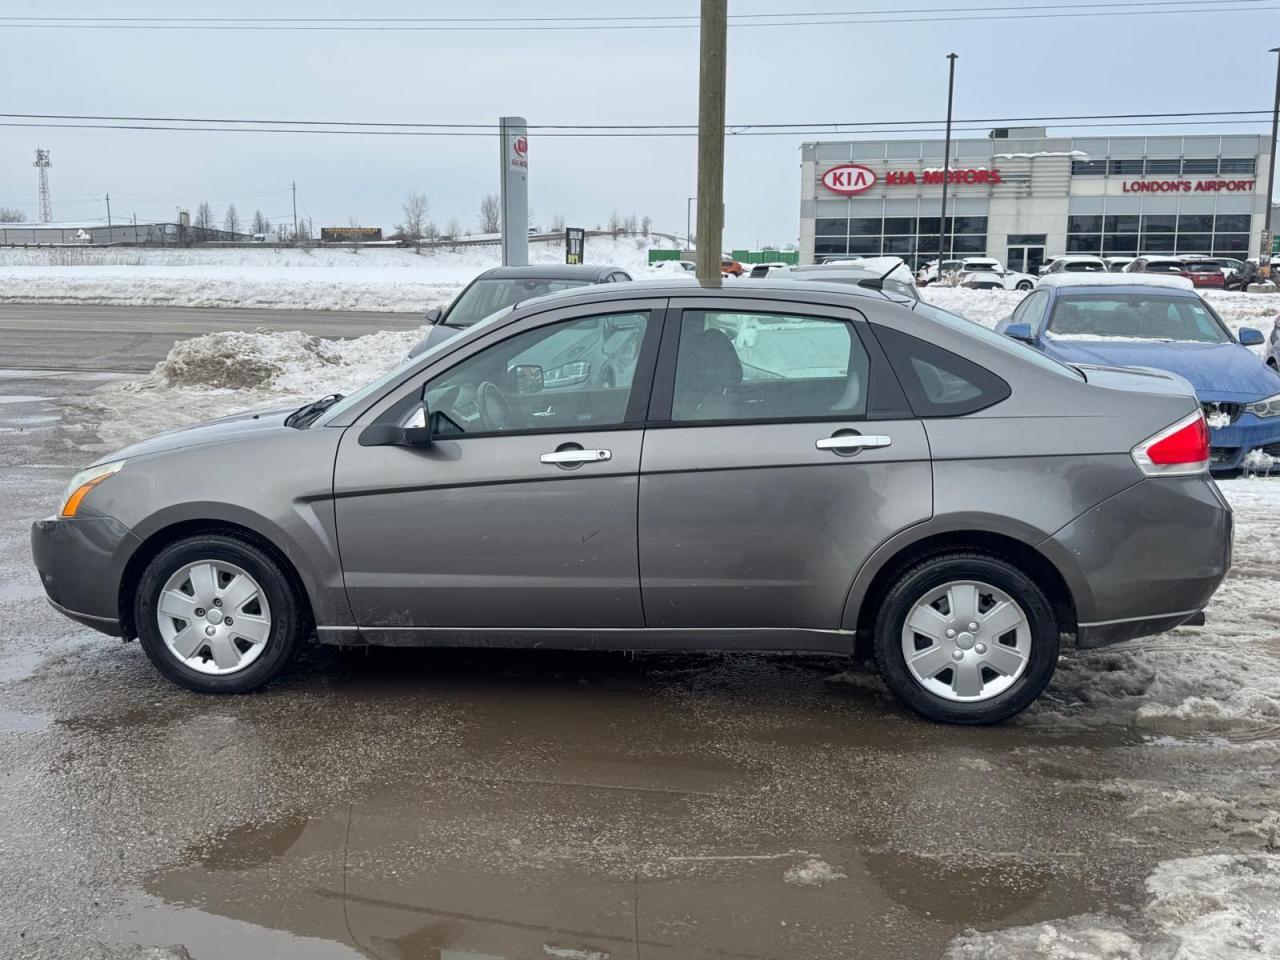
(1123, 323)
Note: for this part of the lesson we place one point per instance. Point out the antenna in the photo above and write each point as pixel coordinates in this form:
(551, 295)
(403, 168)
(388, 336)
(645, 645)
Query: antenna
(43, 162)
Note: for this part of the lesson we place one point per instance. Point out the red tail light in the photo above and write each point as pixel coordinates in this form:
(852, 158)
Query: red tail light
(1176, 451)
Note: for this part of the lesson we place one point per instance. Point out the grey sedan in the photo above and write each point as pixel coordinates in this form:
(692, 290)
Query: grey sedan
(771, 466)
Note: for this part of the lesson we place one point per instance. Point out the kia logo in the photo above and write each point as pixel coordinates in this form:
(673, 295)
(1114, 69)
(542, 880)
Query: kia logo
(848, 179)
(521, 146)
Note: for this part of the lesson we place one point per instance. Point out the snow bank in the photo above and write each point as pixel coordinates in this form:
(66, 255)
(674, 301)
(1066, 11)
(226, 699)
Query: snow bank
(813, 873)
(1221, 907)
(373, 279)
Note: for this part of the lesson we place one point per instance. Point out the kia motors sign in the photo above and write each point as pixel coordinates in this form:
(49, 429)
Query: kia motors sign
(513, 142)
(848, 179)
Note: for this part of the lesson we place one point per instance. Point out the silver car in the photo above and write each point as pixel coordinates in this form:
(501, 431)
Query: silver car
(777, 466)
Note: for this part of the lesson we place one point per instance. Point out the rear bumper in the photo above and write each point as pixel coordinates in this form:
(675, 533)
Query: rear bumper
(1146, 560)
(81, 562)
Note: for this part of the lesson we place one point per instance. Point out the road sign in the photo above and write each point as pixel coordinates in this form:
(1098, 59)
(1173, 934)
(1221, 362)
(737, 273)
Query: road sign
(575, 244)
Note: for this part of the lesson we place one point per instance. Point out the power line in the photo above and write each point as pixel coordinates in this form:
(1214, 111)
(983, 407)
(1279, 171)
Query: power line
(731, 128)
(860, 19)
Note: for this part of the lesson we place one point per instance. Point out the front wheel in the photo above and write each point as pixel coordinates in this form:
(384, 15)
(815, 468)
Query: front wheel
(1024, 284)
(217, 614)
(966, 638)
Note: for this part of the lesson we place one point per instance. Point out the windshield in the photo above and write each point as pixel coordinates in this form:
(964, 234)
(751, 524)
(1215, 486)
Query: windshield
(1084, 266)
(1144, 316)
(975, 265)
(993, 339)
(488, 296)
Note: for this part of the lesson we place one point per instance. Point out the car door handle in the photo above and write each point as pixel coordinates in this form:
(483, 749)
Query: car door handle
(853, 441)
(561, 457)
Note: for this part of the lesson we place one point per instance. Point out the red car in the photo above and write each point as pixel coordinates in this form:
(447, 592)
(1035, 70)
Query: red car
(1205, 273)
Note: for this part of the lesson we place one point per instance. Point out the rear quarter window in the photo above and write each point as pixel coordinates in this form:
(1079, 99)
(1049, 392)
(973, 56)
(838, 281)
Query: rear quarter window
(937, 382)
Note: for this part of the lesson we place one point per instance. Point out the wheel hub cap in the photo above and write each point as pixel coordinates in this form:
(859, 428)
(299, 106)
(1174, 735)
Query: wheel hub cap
(213, 617)
(966, 641)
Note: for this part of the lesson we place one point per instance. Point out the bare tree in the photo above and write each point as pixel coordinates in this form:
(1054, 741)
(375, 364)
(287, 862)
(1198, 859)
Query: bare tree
(615, 223)
(12, 215)
(231, 221)
(453, 230)
(353, 225)
(646, 224)
(630, 225)
(430, 230)
(557, 223)
(304, 231)
(260, 223)
(204, 216)
(282, 232)
(490, 214)
(413, 226)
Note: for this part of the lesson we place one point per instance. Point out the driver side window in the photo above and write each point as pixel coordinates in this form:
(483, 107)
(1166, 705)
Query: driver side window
(571, 375)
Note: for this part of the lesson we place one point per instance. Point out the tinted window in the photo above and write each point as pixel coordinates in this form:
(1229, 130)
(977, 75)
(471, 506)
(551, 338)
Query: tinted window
(489, 296)
(939, 383)
(1147, 316)
(576, 374)
(756, 366)
(1031, 310)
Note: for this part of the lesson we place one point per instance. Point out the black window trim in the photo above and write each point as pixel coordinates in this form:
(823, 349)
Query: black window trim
(995, 389)
(891, 403)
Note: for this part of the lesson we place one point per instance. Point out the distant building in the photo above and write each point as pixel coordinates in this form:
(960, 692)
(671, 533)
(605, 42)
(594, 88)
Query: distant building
(92, 233)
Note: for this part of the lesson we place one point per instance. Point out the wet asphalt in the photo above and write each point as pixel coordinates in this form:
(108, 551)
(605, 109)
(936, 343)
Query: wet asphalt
(471, 805)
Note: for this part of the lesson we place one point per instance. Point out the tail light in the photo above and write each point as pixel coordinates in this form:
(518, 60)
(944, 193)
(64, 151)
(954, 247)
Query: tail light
(1179, 450)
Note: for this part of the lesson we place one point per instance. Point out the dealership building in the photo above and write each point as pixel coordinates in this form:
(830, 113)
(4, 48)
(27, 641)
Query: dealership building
(1024, 197)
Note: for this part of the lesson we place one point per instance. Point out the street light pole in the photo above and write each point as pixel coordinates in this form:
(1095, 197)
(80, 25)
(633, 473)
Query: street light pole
(1264, 255)
(688, 222)
(944, 238)
(713, 45)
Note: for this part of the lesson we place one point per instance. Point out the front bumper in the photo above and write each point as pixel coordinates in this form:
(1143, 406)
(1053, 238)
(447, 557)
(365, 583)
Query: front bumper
(81, 562)
(1146, 560)
(1230, 445)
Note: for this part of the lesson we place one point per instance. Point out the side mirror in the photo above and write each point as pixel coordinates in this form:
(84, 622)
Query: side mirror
(390, 435)
(434, 315)
(526, 377)
(1019, 331)
(1249, 337)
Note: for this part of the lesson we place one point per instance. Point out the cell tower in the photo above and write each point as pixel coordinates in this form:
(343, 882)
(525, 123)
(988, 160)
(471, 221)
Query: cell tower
(44, 163)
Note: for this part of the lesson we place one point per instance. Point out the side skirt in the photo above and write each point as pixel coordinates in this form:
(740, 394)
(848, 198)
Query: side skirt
(776, 639)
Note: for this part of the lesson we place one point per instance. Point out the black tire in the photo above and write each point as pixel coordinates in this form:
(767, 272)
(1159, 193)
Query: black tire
(933, 572)
(1024, 284)
(290, 622)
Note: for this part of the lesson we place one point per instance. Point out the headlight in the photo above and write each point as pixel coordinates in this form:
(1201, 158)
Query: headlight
(1269, 407)
(566, 375)
(83, 482)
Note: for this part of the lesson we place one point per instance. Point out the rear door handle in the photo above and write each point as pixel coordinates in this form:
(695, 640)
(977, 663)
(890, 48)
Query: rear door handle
(562, 457)
(853, 441)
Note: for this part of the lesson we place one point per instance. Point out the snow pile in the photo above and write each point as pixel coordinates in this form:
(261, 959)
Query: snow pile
(239, 360)
(1222, 907)
(813, 873)
(382, 279)
(1089, 279)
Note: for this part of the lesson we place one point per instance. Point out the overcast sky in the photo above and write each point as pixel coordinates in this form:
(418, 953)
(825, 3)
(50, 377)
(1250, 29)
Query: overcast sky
(1156, 62)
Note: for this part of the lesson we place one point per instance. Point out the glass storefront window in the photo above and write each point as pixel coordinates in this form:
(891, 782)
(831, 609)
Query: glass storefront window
(1194, 242)
(864, 246)
(1233, 243)
(1088, 168)
(1157, 243)
(1084, 243)
(864, 226)
(970, 243)
(831, 226)
(1238, 165)
(1164, 223)
(1120, 243)
(1231, 223)
(899, 244)
(1195, 223)
(928, 244)
(1165, 165)
(827, 246)
(1125, 168)
(930, 224)
(899, 225)
(1084, 224)
(1122, 223)
(1194, 165)
(970, 225)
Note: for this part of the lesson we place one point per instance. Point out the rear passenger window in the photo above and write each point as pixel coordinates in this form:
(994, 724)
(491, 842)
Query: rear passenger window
(939, 383)
(757, 366)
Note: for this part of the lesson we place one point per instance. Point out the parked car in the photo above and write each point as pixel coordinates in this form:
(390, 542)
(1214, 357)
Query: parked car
(674, 266)
(502, 287)
(1163, 326)
(1273, 345)
(983, 273)
(1242, 278)
(759, 270)
(731, 268)
(1075, 263)
(1206, 273)
(786, 466)
(1117, 264)
(929, 273)
(889, 274)
(1157, 264)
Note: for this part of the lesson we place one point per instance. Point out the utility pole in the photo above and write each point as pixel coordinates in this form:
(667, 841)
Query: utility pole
(1264, 255)
(688, 222)
(293, 185)
(711, 81)
(944, 238)
(135, 227)
(109, 238)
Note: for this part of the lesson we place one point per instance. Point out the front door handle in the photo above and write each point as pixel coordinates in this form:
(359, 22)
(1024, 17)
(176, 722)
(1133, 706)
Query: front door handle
(572, 456)
(853, 441)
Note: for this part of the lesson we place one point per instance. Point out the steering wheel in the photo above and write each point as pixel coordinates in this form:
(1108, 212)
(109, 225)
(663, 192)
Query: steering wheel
(495, 408)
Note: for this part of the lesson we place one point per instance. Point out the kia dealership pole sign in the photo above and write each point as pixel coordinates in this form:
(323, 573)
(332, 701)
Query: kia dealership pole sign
(513, 135)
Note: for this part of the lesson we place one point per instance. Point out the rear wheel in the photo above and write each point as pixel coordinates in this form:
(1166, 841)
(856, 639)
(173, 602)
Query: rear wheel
(218, 614)
(1024, 284)
(966, 638)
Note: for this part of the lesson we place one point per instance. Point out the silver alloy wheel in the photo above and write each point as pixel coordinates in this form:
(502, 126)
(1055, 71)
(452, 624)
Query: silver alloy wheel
(213, 617)
(966, 641)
